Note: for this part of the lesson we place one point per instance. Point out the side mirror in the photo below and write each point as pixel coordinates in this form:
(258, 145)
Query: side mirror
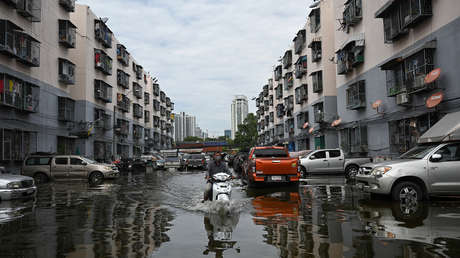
(84, 163)
(436, 157)
(312, 157)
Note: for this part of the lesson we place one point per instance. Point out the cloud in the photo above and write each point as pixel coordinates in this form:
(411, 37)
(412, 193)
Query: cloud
(205, 51)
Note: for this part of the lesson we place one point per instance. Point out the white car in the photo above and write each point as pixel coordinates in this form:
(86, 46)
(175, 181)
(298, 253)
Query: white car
(16, 186)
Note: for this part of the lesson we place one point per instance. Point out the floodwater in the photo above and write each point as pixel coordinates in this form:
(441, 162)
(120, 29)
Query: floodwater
(160, 214)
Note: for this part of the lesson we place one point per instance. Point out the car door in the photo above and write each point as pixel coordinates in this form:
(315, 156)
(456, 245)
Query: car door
(444, 174)
(317, 162)
(335, 160)
(60, 167)
(77, 168)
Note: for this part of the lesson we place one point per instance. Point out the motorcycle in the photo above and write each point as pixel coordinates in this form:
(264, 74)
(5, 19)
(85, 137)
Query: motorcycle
(221, 187)
(219, 230)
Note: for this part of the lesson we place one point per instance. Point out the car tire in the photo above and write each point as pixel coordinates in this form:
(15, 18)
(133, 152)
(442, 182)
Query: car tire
(40, 178)
(351, 171)
(96, 178)
(303, 172)
(405, 190)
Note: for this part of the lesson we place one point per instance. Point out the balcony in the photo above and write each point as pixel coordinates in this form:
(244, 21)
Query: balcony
(280, 112)
(102, 120)
(301, 67)
(102, 91)
(317, 78)
(162, 111)
(137, 90)
(156, 121)
(318, 115)
(156, 89)
(156, 105)
(272, 117)
(102, 61)
(102, 33)
(146, 116)
(138, 69)
(162, 97)
(315, 20)
(356, 95)
(168, 102)
(68, 5)
(138, 110)
(123, 127)
(393, 25)
(30, 9)
(122, 79)
(31, 96)
(414, 11)
(417, 67)
(270, 100)
(66, 71)
(27, 49)
(123, 103)
(302, 118)
(288, 81)
(67, 33)
(7, 38)
(289, 126)
(146, 98)
(18, 94)
(278, 72)
(299, 41)
(301, 94)
(122, 55)
(265, 90)
(316, 50)
(287, 59)
(353, 13)
(66, 109)
(279, 91)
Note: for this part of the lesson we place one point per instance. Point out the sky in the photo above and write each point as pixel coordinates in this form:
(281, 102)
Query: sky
(206, 51)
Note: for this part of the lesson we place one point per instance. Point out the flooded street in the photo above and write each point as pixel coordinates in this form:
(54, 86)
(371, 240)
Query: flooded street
(160, 214)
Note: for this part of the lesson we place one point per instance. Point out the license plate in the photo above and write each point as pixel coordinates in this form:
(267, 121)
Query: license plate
(276, 178)
(31, 191)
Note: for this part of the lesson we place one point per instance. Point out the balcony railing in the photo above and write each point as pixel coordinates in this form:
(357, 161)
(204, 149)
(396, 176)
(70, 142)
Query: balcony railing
(356, 96)
(31, 9)
(353, 12)
(123, 79)
(278, 72)
(122, 55)
(66, 109)
(103, 33)
(287, 59)
(138, 111)
(123, 102)
(67, 33)
(319, 117)
(66, 71)
(103, 62)
(137, 90)
(27, 49)
(68, 5)
(299, 42)
(102, 91)
(317, 78)
(415, 79)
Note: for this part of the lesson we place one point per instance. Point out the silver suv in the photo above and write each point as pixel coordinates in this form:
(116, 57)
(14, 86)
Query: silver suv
(428, 169)
(45, 167)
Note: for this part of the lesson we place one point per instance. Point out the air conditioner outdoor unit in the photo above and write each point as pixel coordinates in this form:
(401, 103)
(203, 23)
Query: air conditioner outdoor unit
(402, 99)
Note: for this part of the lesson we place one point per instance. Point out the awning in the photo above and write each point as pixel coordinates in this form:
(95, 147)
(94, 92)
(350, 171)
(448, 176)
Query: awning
(446, 129)
(358, 39)
(427, 45)
(314, 40)
(313, 11)
(385, 8)
(301, 59)
(391, 63)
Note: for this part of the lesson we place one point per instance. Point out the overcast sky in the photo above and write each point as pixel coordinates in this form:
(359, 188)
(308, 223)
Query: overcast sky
(205, 51)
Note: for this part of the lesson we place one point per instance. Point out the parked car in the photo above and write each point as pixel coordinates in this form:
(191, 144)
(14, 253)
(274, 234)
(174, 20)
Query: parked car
(238, 162)
(16, 186)
(194, 160)
(270, 165)
(330, 161)
(160, 161)
(173, 162)
(45, 167)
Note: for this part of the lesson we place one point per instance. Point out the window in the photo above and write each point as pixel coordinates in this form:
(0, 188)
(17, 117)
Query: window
(301, 94)
(7, 39)
(394, 17)
(31, 97)
(30, 9)
(288, 81)
(102, 91)
(301, 67)
(270, 100)
(137, 131)
(122, 55)
(280, 130)
(146, 116)
(138, 70)
(302, 118)
(138, 110)
(147, 98)
(317, 78)
(414, 11)
(265, 90)
(334, 153)
(102, 151)
(272, 117)
(289, 126)
(123, 150)
(66, 109)
(27, 49)
(123, 79)
(61, 161)
(11, 91)
(156, 105)
(168, 102)
(353, 13)
(162, 111)
(319, 155)
(351, 55)
(65, 146)
(287, 59)
(103, 33)
(66, 71)
(68, 5)
(289, 103)
(17, 144)
(354, 140)
(278, 72)
(156, 121)
(450, 152)
(123, 127)
(318, 112)
(137, 90)
(123, 102)
(76, 161)
(315, 20)
(156, 89)
(270, 153)
(162, 97)
(279, 91)
(299, 41)
(356, 95)
(280, 110)
(67, 33)
(38, 161)
(102, 119)
(103, 62)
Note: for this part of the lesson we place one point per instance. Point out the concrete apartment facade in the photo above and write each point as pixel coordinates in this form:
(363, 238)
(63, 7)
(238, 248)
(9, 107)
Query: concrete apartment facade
(239, 112)
(373, 94)
(55, 97)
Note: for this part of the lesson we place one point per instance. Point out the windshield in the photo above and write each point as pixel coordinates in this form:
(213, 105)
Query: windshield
(265, 153)
(418, 152)
(89, 161)
(172, 159)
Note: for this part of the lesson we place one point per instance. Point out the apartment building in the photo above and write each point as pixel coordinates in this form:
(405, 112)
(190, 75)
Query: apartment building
(64, 78)
(239, 112)
(300, 100)
(385, 50)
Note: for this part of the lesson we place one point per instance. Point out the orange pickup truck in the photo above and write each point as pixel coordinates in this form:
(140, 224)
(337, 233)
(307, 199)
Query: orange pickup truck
(270, 165)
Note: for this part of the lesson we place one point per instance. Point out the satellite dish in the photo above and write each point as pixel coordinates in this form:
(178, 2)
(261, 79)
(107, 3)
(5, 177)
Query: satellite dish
(336, 122)
(433, 76)
(305, 125)
(311, 130)
(434, 99)
(377, 104)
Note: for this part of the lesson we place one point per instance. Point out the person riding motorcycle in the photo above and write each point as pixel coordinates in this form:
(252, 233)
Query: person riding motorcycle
(216, 165)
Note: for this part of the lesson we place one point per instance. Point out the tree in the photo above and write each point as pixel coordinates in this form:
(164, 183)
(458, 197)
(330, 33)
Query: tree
(246, 136)
(192, 139)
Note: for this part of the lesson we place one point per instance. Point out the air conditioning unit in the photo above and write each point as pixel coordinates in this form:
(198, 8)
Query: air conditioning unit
(402, 99)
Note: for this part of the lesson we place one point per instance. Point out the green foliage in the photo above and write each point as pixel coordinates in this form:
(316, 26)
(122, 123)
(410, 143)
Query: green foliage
(193, 139)
(246, 136)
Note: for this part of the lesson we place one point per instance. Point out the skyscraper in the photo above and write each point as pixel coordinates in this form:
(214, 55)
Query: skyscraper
(239, 112)
(185, 126)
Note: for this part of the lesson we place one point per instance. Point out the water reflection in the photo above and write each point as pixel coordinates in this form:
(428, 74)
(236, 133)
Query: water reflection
(219, 230)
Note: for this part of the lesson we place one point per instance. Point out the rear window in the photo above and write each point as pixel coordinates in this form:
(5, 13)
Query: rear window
(61, 161)
(38, 161)
(266, 153)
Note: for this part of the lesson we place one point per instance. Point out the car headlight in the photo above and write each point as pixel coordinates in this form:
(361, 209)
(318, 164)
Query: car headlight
(13, 185)
(380, 171)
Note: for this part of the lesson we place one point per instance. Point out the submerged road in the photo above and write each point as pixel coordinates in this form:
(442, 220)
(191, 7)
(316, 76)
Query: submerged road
(160, 214)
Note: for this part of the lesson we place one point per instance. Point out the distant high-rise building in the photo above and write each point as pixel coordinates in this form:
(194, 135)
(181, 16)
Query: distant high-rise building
(239, 112)
(185, 126)
(228, 133)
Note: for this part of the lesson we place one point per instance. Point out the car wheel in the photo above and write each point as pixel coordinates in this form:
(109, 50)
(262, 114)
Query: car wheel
(351, 171)
(407, 192)
(96, 178)
(303, 172)
(40, 178)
